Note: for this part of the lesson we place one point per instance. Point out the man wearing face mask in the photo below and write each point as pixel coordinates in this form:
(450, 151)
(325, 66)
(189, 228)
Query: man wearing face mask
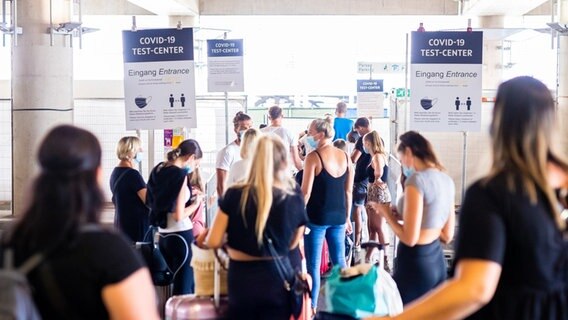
(362, 160)
(129, 190)
(231, 152)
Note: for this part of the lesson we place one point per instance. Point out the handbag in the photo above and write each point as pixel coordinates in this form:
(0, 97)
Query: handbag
(294, 282)
(161, 273)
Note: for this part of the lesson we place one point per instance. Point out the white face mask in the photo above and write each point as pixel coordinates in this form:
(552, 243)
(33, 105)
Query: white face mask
(139, 157)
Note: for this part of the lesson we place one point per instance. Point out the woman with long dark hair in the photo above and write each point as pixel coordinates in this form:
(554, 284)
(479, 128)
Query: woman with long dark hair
(168, 193)
(428, 218)
(268, 204)
(94, 274)
(512, 252)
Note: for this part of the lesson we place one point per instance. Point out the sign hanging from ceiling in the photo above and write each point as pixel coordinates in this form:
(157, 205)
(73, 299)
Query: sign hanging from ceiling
(159, 79)
(446, 81)
(225, 66)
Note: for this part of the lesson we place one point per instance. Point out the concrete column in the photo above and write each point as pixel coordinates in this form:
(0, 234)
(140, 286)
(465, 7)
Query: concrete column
(42, 88)
(563, 78)
(492, 54)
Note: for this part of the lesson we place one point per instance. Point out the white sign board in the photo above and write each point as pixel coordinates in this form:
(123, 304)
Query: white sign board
(446, 81)
(225, 66)
(159, 79)
(370, 98)
(380, 67)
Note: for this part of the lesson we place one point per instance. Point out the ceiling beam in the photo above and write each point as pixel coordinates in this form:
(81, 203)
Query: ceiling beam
(111, 7)
(170, 7)
(328, 7)
(500, 7)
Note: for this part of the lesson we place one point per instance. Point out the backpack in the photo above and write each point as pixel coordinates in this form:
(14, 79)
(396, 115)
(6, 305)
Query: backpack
(16, 301)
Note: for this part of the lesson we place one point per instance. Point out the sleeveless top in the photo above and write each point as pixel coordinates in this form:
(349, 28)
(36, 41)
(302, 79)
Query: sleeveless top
(371, 173)
(326, 205)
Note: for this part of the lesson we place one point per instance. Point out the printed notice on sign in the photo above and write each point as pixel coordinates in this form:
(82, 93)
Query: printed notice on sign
(159, 79)
(225, 65)
(446, 81)
(370, 98)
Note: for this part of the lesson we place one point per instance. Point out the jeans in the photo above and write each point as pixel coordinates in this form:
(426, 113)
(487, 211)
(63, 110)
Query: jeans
(313, 243)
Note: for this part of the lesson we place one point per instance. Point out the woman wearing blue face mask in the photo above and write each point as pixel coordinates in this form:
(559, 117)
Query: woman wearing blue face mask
(428, 217)
(327, 186)
(168, 193)
(129, 190)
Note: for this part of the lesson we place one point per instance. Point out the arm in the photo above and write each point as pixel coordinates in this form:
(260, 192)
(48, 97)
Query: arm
(349, 190)
(297, 237)
(221, 177)
(142, 194)
(409, 232)
(447, 232)
(132, 298)
(181, 211)
(472, 287)
(308, 178)
(355, 155)
(295, 156)
(218, 228)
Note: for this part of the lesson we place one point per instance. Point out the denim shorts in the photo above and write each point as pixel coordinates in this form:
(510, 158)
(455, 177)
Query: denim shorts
(359, 193)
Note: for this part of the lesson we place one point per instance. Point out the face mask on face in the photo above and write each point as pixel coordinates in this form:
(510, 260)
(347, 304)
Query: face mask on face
(312, 142)
(407, 171)
(365, 150)
(242, 135)
(188, 169)
(139, 156)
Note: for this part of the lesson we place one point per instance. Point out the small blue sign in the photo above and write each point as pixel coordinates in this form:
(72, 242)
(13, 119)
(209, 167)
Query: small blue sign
(369, 85)
(447, 47)
(225, 48)
(157, 45)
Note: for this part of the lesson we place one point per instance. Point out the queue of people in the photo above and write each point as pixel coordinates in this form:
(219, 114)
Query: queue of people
(511, 251)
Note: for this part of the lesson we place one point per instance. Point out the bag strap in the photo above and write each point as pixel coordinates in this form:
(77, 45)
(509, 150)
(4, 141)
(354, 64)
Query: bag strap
(118, 180)
(280, 266)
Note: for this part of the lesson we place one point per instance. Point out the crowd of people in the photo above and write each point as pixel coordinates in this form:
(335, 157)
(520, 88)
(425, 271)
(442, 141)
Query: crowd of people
(511, 251)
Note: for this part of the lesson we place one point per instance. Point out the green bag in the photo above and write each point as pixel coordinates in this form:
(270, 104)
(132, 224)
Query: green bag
(353, 296)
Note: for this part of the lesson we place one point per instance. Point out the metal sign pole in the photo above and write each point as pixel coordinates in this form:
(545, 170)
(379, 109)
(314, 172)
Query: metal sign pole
(464, 163)
(226, 107)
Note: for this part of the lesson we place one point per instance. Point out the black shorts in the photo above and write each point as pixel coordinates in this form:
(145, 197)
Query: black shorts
(360, 193)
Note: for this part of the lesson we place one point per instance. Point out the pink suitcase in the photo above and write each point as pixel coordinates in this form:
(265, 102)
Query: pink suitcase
(192, 307)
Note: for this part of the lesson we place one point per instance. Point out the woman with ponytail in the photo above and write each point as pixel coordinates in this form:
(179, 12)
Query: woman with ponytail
(86, 272)
(267, 204)
(512, 252)
(168, 193)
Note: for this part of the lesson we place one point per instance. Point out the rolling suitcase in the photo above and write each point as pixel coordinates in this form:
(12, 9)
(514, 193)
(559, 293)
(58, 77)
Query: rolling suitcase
(325, 265)
(193, 307)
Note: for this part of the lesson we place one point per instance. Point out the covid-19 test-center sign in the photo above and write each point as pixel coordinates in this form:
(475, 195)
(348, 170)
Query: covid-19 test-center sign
(159, 79)
(370, 98)
(446, 81)
(225, 65)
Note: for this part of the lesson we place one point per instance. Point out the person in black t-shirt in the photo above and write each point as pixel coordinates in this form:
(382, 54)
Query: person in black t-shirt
(267, 204)
(360, 181)
(94, 273)
(129, 191)
(512, 252)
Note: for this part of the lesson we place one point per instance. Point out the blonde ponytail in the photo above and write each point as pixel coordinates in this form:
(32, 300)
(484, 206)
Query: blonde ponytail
(259, 184)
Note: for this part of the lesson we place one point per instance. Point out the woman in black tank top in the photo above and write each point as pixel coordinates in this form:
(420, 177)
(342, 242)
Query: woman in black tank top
(327, 185)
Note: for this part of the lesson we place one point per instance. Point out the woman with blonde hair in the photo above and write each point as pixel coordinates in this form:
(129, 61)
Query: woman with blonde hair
(129, 190)
(512, 252)
(378, 191)
(266, 204)
(327, 186)
(238, 171)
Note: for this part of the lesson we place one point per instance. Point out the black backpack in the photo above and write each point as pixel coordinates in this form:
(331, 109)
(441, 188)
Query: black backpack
(16, 301)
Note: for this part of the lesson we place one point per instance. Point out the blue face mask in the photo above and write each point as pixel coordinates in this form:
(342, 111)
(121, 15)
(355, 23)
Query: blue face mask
(188, 169)
(139, 156)
(312, 142)
(242, 135)
(365, 150)
(407, 171)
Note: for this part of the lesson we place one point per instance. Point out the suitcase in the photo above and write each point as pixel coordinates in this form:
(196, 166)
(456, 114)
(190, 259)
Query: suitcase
(193, 307)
